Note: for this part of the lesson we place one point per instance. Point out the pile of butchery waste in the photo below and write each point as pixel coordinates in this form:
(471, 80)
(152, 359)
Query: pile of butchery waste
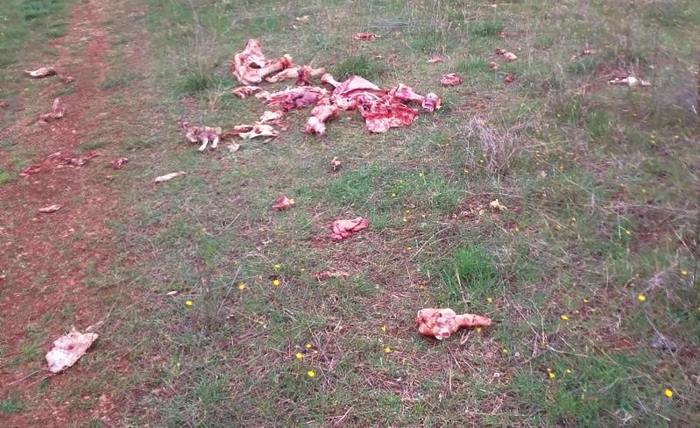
(381, 109)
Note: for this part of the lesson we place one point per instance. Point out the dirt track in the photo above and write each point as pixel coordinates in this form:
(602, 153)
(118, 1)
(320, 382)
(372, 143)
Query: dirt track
(46, 258)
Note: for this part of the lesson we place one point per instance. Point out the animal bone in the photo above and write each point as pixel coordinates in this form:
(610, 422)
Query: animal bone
(282, 203)
(302, 74)
(365, 36)
(201, 134)
(168, 177)
(259, 131)
(57, 112)
(319, 115)
(441, 323)
(41, 72)
(251, 66)
(68, 349)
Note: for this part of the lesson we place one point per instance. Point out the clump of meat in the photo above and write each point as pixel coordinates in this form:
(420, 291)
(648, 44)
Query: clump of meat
(451, 79)
(343, 229)
(250, 66)
(302, 74)
(320, 114)
(441, 323)
(299, 97)
(57, 112)
(245, 91)
(365, 36)
(201, 134)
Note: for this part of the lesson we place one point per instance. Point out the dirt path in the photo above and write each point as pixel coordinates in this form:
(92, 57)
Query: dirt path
(47, 258)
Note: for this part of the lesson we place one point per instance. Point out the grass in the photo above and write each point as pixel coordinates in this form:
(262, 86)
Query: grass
(599, 210)
(11, 405)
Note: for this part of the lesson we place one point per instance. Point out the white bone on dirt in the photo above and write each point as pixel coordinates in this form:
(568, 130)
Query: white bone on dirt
(259, 131)
(68, 349)
(57, 112)
(41, 72)
(442, 323)
(168, 177)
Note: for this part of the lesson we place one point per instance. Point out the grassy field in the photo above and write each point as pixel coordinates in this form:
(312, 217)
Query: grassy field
(592, 263)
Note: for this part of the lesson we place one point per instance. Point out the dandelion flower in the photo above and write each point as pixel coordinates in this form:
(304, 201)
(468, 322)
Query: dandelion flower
(241, 286)
(564, 317)
(684, 272)
(307, 346)
(420, 174)
(188, 303)
(489, 300)
(568, 371)
(311, 373)
(641, 297)
(552, 375)
(387, 350)
(393, 195)
(504, 351)
(668, 392)
(585, 300)
(276, 282)
(383, 329)
(299, 356)
(277, 267)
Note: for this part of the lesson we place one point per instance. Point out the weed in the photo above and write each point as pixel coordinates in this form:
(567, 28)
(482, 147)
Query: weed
(486, 28)
(469, 276)
(11, 405)
(360, 65)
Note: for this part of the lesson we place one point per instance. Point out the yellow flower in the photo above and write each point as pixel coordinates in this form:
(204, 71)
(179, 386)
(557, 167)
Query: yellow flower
(311, 373)
(568, 371)
(383, 329)
(489, 300)
(421, 174)
(478, 330)
(188, 303)
(552, 375)
(405, 219)
(641, 297)
(276, 282)
(277, 267)
(564, 317)
(393, 195)
(585, 300)
(668, 392)
(241, 286)
(307, 346)
(387, 350)
(504, 351)
(684, 272)
(299, 356)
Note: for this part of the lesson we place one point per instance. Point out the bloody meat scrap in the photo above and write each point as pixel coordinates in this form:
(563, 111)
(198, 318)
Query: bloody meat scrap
(441, 323)
(451, 79)
(342, 229)
(201, 134)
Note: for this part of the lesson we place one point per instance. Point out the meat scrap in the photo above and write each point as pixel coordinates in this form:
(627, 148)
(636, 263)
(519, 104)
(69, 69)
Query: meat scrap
(365, 36)
(201, 134)
(245, 91)
(510, 56)
(250, 66)
(335, 163)
(630, 81)
(441, 323)
(342, 229)
(259, 131)
(57, 112)
(68, 349)
(326, 274)
(282, 203)
(299, 97)
(451, 79)
(57, 160)
(270, 117)
(429, 102)
(302, 74)
(119, 162)
(385, 113)
(41, 72)
(320, 114)
(509, 78)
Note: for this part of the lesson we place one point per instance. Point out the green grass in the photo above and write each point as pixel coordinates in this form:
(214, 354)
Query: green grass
(599, 211)
(11, 405)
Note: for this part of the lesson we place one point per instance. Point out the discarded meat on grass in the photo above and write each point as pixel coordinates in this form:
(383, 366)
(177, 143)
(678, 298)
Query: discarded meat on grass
(68, 349)
(57, 112)
(343, 229)
(365, 36)
(168, 177)
(119, 162)
(57, 160)
(41, 72)
(201, 134)
(335, 163)
(245, 91)
(282, 203)
(302, 74)
(451, 79)
(250, 66)
(320, 114)
(441, 323)
(509, 56)
(299, 97)
(259, 131)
